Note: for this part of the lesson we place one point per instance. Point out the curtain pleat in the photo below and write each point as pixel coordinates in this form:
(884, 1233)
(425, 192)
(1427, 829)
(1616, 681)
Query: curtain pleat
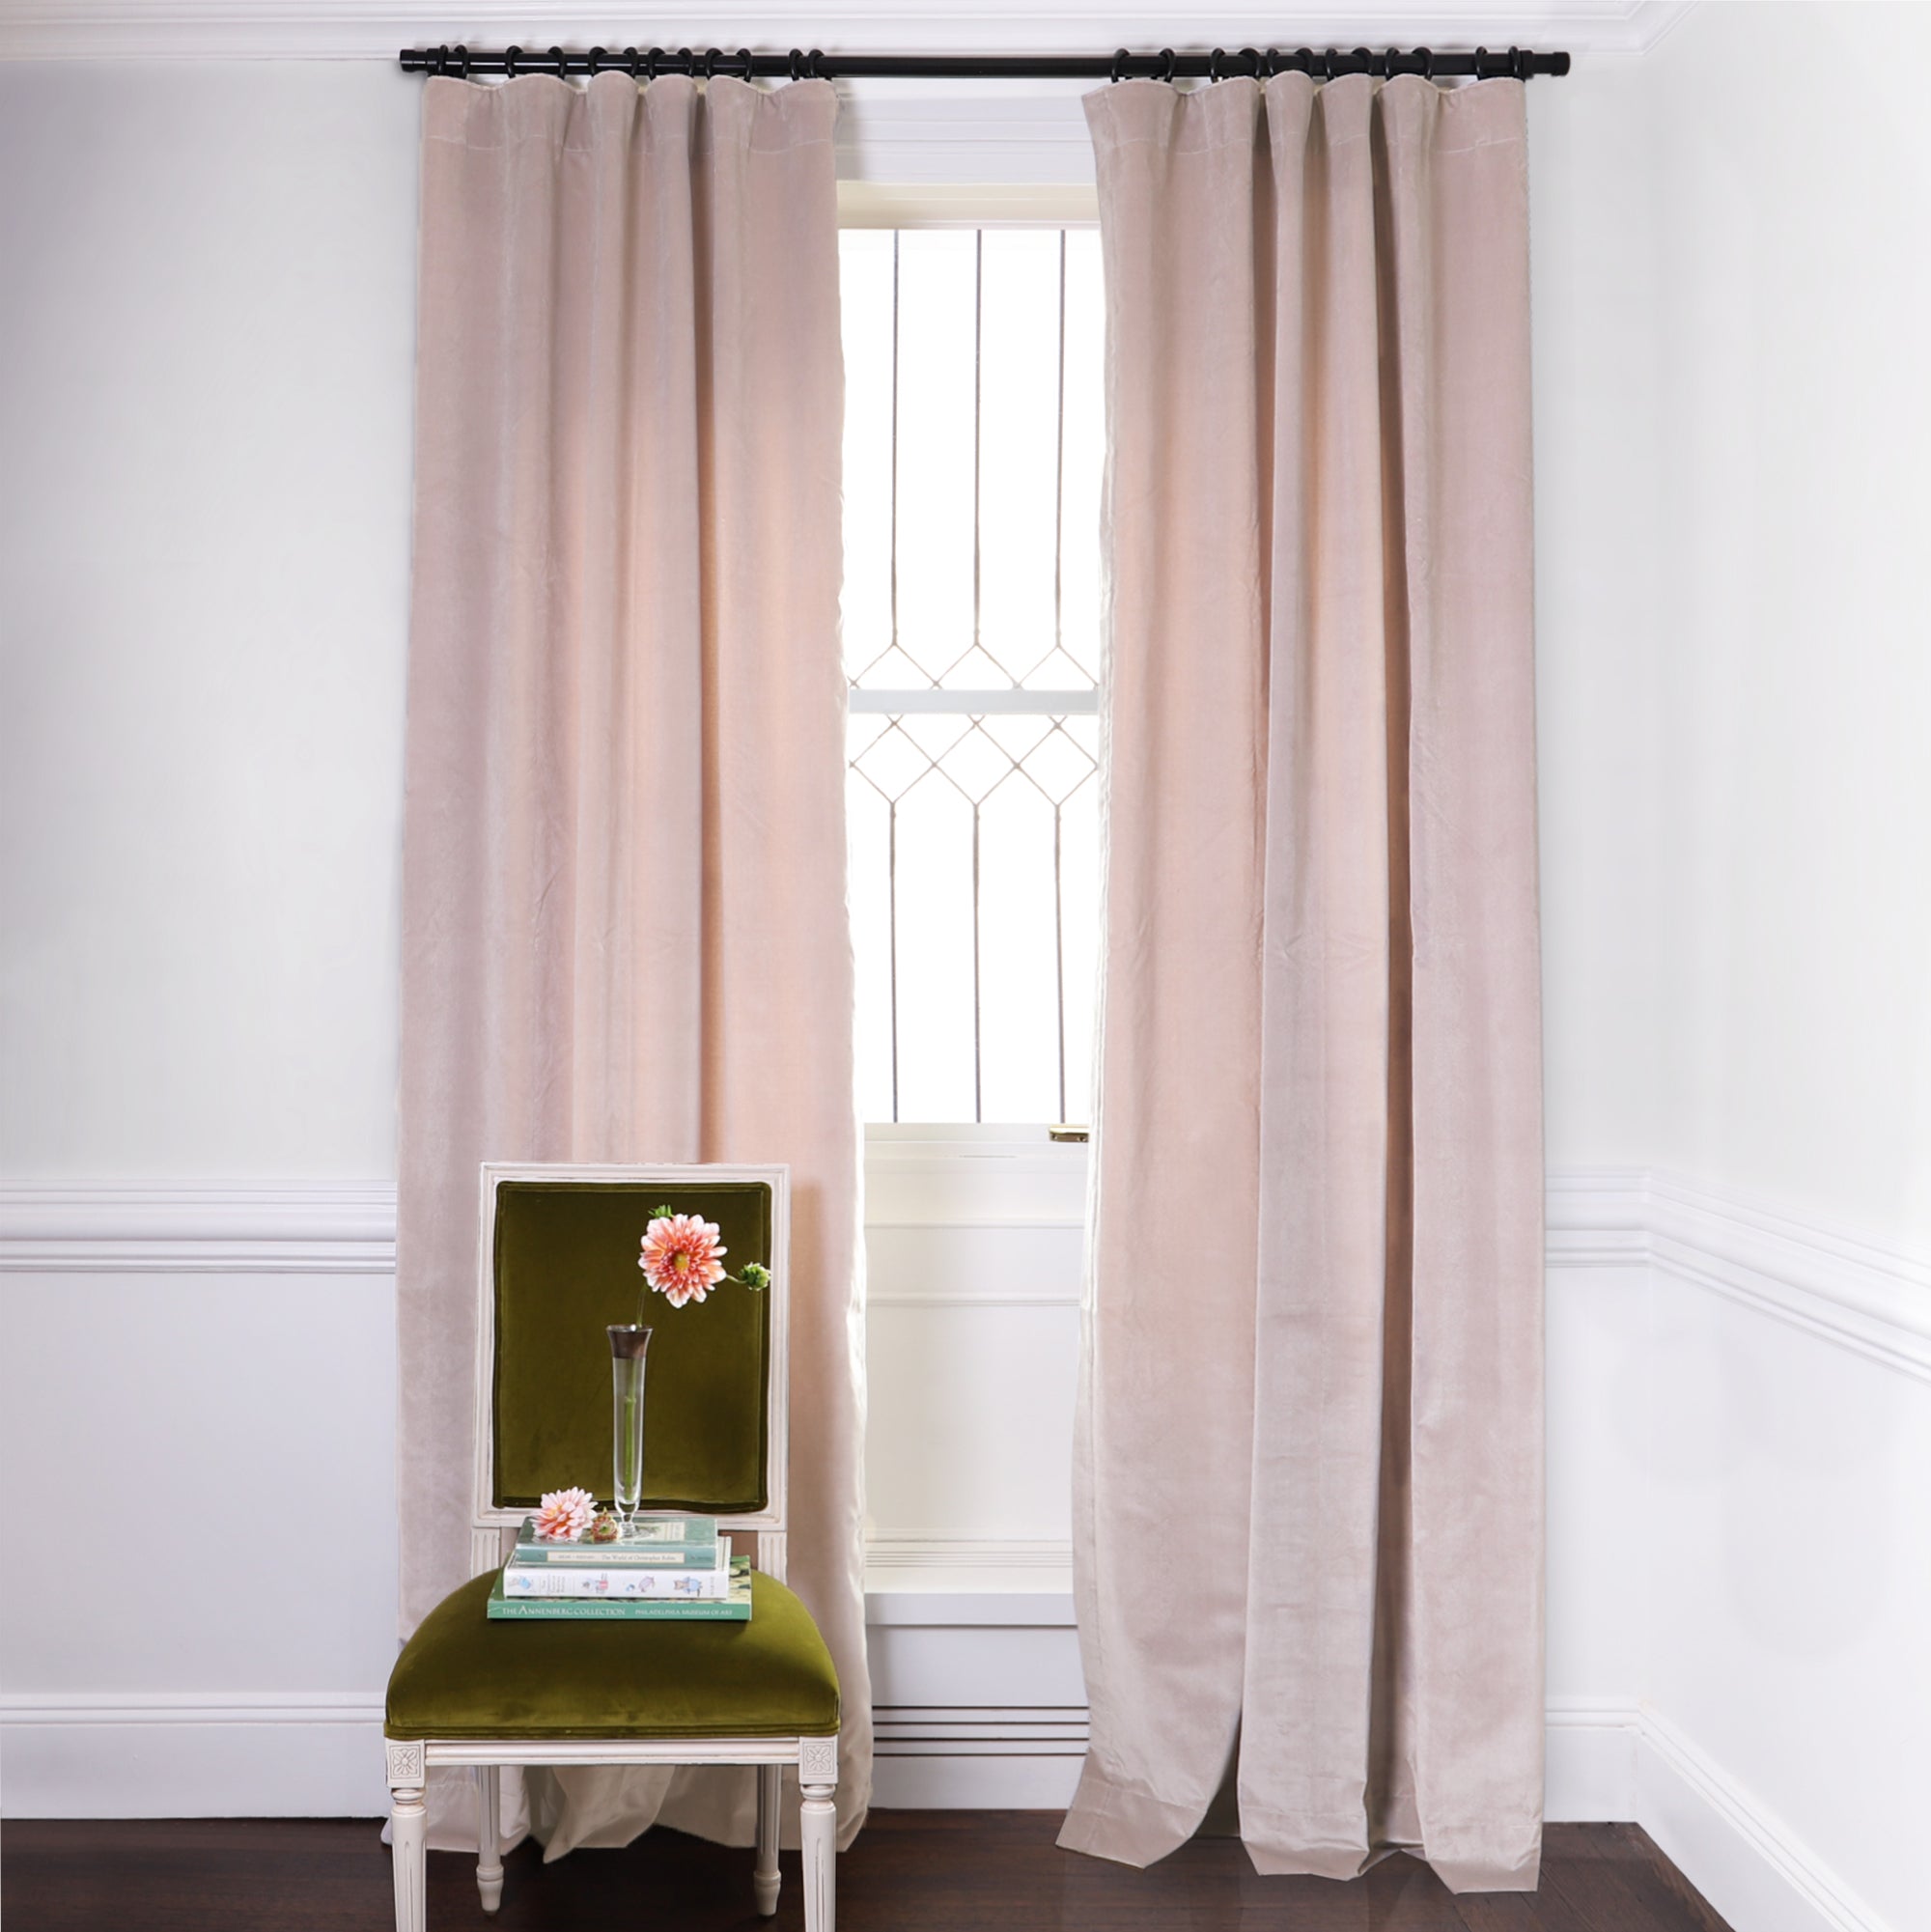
(625, 934)
(1313, 1355)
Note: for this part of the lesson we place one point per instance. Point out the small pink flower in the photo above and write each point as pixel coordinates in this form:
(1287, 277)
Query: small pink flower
(680, 1258)
(565, 1515)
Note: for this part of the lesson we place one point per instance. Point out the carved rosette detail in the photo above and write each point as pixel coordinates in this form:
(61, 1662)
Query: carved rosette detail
(818, 1760)
(405, 1761)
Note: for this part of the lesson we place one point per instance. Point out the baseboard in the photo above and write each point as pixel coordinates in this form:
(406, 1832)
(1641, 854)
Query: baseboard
(240, 1754)
(1753, 1868)
(274, 1756)
(1592, 1766)
(229, 1755)
(278, 1756)
(989, 1783)
(1589, 1770)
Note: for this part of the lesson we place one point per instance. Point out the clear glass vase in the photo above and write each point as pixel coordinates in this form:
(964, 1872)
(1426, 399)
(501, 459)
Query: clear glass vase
(628, 1344)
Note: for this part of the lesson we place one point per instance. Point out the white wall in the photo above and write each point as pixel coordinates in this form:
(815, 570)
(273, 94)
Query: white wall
(1789, 186)
(205, 403)
(207, 349)
(1596, 645)
(205, 370)
(207, 353)
(1790, 1549)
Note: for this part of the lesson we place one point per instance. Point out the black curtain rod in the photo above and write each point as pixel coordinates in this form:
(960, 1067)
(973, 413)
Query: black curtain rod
(1328, 63)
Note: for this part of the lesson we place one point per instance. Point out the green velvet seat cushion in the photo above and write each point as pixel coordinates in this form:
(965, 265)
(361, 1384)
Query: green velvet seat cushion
(463, 1676)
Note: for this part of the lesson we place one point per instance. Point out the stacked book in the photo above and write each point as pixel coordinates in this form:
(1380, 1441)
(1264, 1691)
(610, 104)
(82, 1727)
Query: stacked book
(675, 1567)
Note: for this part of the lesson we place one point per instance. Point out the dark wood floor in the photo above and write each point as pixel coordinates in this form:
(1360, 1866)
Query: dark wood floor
(940, 1872)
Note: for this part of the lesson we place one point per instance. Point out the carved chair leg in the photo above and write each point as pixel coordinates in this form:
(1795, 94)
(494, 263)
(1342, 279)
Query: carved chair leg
(818, 1830)
(765, 1878)
(409, 1832)
(488, 1842)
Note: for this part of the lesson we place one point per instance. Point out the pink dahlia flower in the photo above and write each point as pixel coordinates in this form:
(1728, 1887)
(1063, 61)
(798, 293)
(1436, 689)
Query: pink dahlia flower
(680, 1258)
(565, 1515)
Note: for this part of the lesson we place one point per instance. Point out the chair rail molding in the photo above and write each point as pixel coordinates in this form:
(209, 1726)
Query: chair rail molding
(197, 1227)
(375, 29)
(1842, 1285)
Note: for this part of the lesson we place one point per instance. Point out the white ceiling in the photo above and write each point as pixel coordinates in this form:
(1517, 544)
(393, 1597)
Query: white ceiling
(376, 29)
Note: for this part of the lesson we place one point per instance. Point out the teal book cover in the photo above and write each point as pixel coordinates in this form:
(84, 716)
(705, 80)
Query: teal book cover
(734, 1608)
(656, 1542)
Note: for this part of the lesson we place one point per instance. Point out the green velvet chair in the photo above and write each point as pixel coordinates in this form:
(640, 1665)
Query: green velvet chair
(559, 1264)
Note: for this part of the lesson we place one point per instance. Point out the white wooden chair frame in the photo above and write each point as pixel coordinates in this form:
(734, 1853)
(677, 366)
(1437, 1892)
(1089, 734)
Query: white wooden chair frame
(411, 1759)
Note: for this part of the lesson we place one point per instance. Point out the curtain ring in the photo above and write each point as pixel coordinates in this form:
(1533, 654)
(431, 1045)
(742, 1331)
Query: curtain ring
(1426, 56)
(1119, 73)
(798, 63)
(1481, 54)
(1213, 61)
(558, 56)
(1517, 65)
(634, 61)
(1252, 57)
(593, 59)
(707, 63)
(511, 56)
(462, 63)
(689, 61)
(816, 60)
(1366, 57)
(1167, 62)
(744, 61)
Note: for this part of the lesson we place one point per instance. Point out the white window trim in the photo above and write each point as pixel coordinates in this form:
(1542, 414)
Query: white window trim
(946, 1176)
(968, 204)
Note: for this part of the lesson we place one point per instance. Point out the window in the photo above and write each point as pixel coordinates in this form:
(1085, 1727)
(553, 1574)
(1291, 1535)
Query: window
(974, 440)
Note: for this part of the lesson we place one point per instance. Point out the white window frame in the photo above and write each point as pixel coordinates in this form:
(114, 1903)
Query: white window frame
(954, 205)
(966, 1177)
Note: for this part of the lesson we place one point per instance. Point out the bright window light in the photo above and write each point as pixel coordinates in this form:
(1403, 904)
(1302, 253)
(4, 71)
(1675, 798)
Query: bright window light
(974, 439)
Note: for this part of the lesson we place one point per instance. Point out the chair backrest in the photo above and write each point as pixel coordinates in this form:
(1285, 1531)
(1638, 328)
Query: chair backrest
(559, 1253)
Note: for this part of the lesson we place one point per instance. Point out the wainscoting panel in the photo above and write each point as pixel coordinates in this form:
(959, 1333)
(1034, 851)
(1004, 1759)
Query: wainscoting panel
(970, 1425)
(1736, 1398)
(974, 1243)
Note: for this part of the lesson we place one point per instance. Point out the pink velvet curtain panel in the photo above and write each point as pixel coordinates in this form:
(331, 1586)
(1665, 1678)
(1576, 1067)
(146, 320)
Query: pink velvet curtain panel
(1313, 1370)
(625, 935)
